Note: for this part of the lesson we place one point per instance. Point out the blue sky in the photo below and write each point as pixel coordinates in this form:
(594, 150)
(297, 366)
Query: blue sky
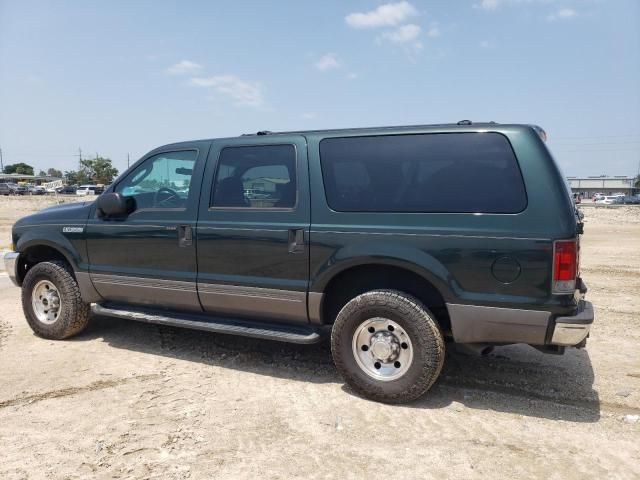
(117, 77)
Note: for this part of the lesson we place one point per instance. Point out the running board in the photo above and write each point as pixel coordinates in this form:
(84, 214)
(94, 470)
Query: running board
(247, 328)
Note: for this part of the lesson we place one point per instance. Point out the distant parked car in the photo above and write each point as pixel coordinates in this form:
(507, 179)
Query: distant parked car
(88, 190)
(22, 190)
(8, 188)
(610, 200)
(631, 200)
(68, 189)
(38, 190)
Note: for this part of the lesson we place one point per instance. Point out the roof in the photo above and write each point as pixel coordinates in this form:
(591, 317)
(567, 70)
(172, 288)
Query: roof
(12, 176)
(463, 125)
(603, 177)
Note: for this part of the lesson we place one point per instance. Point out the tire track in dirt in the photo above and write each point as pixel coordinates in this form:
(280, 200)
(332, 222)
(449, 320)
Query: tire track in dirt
(66, 392)
(5, 328)
(526, 394)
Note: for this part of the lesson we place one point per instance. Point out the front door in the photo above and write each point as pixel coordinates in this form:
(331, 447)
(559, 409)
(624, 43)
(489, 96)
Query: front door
(253, 229)
(149, 257)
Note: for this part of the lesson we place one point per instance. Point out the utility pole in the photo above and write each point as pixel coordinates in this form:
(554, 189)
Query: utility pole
(127, 158)
(1, 164)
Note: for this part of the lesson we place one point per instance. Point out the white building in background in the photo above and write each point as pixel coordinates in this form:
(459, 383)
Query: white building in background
(588, 186)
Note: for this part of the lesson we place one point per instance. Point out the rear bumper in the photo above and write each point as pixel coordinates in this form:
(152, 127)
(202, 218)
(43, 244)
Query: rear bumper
(571, 331)
(497, 325)
(10, 265)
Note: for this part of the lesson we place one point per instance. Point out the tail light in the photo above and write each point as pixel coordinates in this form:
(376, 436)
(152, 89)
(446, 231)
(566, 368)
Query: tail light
(565, 266)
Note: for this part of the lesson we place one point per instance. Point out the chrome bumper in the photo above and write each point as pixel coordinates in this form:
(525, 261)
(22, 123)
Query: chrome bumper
(10, 265)
(571, 331)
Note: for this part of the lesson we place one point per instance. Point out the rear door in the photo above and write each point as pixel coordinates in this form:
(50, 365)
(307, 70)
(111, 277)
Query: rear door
(253, 229)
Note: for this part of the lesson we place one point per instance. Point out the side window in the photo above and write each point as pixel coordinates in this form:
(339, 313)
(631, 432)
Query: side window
(161, 181)
(452, 172)
(261, 176)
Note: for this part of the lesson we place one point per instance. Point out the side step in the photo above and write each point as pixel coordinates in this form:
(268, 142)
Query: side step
(268, 331)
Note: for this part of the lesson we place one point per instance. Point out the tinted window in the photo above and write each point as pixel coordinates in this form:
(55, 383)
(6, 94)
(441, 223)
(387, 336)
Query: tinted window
(256, 177)
(455, 172)
(161, 181)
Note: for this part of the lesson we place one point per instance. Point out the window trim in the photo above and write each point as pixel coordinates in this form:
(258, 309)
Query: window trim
(256, 209)
(404, 212)
(142, 161)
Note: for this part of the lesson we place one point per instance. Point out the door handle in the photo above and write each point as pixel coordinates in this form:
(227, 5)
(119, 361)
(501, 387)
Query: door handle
(185, 235)
(296, 240)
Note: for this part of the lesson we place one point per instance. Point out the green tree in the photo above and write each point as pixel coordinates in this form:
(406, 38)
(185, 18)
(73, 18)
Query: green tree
(71, 176)
(52, 172)
(20, 168)
(97, 170)
(42, 173)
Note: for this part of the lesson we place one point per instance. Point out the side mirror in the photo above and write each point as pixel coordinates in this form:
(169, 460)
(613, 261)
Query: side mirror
(114, 205)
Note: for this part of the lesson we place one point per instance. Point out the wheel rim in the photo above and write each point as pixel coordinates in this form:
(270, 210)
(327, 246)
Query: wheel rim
(45, 300)
(382, 349)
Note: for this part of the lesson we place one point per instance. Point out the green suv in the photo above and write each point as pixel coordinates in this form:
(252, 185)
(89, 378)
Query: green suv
(396, 239)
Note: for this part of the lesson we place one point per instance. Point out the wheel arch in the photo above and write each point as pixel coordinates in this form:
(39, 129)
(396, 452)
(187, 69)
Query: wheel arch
(39, 250)
(34, 249)
(360, 275)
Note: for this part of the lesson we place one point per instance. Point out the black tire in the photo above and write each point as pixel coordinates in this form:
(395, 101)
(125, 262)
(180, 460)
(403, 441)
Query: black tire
(423, 330)
(74, 313)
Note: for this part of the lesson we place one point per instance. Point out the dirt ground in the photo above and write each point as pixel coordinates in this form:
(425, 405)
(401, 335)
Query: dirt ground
(132, 400)
(14, 207)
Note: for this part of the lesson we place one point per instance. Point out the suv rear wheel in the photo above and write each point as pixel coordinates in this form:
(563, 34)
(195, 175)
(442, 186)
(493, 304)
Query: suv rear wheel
(51, 301)
(387, 346)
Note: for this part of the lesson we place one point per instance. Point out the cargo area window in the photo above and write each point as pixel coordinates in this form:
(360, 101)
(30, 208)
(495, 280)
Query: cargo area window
(262, 176)
(430, 173)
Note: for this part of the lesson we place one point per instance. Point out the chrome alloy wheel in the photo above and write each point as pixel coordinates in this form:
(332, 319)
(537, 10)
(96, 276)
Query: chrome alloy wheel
(382, 349)
(45, 300)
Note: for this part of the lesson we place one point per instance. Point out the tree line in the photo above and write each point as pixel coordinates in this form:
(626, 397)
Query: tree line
(98, 170)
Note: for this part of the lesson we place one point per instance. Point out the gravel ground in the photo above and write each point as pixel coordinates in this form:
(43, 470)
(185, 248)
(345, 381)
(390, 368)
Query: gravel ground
(131, 400)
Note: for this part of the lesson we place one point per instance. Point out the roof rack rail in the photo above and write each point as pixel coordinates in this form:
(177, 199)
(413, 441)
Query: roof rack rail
(264, 132)
(465, 122)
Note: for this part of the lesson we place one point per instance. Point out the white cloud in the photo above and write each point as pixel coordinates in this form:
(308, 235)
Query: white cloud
(562, 14)
(185, 67)
(389, 14)
(487, 5)
(485, 44)
(328, 61)
(243, 93)
(433, 31)
(403, 34)
(309, 115)
(352, 76)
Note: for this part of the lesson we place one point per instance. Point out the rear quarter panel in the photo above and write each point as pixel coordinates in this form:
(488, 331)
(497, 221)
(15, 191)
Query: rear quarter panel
(453, 251)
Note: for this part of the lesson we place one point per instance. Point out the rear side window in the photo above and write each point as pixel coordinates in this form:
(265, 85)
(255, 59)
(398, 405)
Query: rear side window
(437, 173)
(262, 176)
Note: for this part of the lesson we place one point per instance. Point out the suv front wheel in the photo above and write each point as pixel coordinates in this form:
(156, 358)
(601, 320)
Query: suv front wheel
(51, 301)
(387, 346)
